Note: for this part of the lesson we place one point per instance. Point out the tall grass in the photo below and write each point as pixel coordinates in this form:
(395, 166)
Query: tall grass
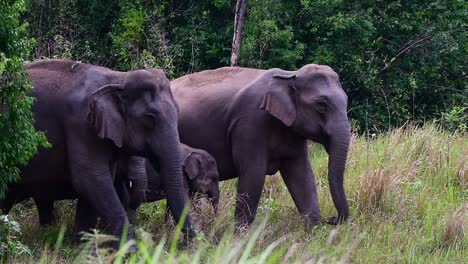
(408, 197)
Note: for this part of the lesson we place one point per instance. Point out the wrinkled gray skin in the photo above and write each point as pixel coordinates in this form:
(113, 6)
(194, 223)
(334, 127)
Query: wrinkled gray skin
(92, 116)
(137, 182)
(200, 176)
(257, 122)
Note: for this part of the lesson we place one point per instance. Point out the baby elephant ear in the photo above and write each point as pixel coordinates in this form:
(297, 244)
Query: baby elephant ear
(106, 113)
(279, 99)
(193, 166)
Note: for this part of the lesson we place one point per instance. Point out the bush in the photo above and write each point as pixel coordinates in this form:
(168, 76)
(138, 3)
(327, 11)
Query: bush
(18, 139)
(456, 119)
(9, 244)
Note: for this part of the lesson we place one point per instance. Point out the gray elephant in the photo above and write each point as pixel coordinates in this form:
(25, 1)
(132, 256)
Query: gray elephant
(257, 122)
(92, 116)
(200, 176)
(137, 181)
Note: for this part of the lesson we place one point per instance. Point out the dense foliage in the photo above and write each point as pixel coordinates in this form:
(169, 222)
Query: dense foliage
(18, 139)
(398, 60)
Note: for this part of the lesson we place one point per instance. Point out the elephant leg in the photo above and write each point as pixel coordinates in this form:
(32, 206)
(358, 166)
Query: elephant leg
(12, 197)
(300, 181)
(249, 191)
(107, 205)
(45, 209)
(85, 218)
(90, 162)
(252, 168)
(6, 205)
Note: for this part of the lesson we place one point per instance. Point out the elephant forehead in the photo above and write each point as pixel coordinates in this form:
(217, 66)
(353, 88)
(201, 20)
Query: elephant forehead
(323, 87)
(144, 100)
(318, 82)
(145, 75)
(316, 68)
(146, 81)
(312, 71)
(147, 93)
(149, 89)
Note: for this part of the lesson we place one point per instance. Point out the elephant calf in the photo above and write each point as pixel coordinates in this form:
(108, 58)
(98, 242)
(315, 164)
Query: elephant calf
(200, 176)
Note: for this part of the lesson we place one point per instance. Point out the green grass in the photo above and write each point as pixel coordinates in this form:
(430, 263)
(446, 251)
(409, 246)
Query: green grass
(407, 191)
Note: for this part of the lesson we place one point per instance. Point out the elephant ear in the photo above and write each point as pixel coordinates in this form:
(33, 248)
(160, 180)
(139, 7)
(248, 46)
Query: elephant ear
(193, 166)
(279, 99)
(106, 113)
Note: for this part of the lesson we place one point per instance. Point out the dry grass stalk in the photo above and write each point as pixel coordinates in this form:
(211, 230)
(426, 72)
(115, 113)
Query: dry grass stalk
(292, 249)
(456, 226)
(462, 171)
(375, 185)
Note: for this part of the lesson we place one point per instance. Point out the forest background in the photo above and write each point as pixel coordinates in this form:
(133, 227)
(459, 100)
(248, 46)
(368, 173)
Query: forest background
(399, 61)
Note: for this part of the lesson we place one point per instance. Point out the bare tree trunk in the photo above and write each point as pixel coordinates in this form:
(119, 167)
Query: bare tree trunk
(238, 26)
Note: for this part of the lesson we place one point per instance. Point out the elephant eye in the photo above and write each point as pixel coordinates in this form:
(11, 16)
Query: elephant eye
(321, 106)
(149, 120)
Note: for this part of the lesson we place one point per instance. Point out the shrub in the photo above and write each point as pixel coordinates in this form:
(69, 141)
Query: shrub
(456, 119)
(9, 244)
(18, 139)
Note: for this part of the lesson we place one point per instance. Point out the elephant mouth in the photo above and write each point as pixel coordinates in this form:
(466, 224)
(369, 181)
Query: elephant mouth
(152, 196)
(149, 154)
(317, 137)
(321, 137)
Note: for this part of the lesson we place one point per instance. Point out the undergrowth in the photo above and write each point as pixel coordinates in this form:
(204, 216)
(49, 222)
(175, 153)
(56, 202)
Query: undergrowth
(407, 191)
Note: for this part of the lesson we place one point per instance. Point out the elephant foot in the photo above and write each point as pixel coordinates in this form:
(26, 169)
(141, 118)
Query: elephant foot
(189, 234)
(312, 219)
(335, 220)
(242, 229)
(132, 216)
(309, 224)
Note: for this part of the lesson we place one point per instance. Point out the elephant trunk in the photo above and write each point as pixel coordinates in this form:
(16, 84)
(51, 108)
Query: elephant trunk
(214, 196)
(170, 167)
(137, 176)
(338, 151)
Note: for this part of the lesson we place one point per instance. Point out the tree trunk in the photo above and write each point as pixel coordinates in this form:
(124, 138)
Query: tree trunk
(238, 26)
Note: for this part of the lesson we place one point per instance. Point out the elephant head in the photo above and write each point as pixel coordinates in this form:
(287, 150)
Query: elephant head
(312, 102)
(201, 172)
(139, 115)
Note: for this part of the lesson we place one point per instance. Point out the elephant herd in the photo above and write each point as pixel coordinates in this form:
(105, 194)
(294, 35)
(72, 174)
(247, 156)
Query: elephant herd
(123, 138)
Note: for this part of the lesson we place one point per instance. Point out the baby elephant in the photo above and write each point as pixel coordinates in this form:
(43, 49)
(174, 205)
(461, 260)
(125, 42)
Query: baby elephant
(200, 176)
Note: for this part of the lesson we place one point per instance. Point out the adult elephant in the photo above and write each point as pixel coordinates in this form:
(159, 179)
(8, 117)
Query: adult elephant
(93, 116)
(137, 181)
(256, 122)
